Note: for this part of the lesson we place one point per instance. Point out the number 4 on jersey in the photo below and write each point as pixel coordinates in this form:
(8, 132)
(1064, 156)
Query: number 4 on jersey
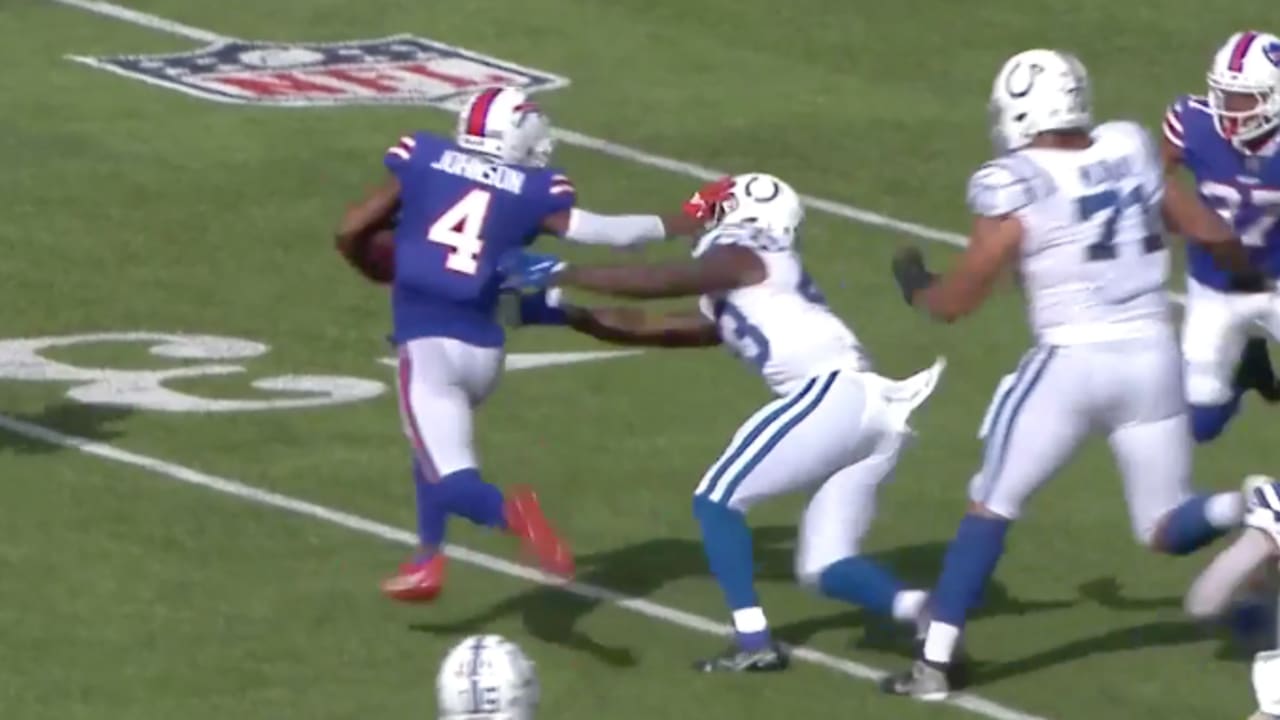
(459, 228)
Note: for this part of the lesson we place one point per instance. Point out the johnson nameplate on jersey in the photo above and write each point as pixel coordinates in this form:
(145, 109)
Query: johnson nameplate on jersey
(401, 69)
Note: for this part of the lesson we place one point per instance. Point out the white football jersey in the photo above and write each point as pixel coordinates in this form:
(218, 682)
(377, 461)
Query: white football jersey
(782, 326)
(1093, 264)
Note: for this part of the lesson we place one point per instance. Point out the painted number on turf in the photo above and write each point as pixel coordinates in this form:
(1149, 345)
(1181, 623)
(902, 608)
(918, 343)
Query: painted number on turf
(459, 228)
(206, 356)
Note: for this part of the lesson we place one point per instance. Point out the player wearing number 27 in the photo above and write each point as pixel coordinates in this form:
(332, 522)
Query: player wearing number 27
(835, 427)
(1228, 142)
(456, 207)
(1076, 209)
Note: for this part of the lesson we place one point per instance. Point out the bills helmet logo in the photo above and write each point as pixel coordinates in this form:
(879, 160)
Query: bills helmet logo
(1272, 51)
(401, 69)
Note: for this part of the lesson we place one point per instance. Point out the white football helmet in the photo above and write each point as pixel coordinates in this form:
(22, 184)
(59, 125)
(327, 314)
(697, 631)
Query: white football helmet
(486, 677)
(763, 201)
(1039, 91)
(504, 123)
(1244, 86)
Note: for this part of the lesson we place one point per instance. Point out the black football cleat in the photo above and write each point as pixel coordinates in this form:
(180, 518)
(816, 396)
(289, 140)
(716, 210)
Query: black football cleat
(1255, 371)
(771, 659)
(924, 681)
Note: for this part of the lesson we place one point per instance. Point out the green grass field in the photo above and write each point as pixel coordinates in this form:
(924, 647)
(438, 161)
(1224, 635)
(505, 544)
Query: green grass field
(129, 207)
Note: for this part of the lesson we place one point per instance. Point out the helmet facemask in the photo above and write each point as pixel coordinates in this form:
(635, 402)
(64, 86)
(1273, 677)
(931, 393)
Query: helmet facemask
(531, 143)
(512, 129)
(1243, 114)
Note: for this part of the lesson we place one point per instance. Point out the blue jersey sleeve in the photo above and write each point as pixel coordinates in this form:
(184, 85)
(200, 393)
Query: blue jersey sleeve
(1173, 128)
(399, 155)
(561, 194)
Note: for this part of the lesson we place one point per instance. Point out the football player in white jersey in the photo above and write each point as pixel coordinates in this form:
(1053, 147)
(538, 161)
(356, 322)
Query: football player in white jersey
(1076, 210)
(1217, 591)
(835, 426)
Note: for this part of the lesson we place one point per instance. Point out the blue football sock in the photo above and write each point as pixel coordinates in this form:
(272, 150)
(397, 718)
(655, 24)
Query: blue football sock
(431, 510)
(1187, 528)
(860, 581)
(726, 539)
(465, 494)
(970, 562)
(538, 309)
(1208, 421)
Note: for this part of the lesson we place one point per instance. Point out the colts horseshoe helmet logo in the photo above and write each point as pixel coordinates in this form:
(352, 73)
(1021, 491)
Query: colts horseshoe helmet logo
(1015, 87)
(757, 195)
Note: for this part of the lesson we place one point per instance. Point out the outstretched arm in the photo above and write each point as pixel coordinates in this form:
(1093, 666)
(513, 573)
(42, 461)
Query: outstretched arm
(583, 226)
(993, 244)
(1212, 591)
(722, 268)
(634, 326)
(588, 228)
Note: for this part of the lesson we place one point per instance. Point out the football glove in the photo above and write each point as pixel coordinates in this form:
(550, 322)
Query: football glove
(910, 273)
(518, 309)
(528, 271)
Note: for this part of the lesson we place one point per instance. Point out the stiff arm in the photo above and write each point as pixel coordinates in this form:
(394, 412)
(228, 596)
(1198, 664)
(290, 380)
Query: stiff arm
(634, 326)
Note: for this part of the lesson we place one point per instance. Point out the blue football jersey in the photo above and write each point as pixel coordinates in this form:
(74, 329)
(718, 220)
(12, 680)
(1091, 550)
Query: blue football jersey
(459, 213)
(1243, 187)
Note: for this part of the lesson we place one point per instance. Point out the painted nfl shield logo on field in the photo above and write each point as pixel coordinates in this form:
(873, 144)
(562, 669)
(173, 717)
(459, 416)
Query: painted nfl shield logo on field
(401, 69)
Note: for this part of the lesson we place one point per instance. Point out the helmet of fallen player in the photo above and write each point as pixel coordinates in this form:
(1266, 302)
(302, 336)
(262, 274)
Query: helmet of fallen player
(1244, 86)
(487, 677)
(764, 201)
(503, 123)
(1038, 91)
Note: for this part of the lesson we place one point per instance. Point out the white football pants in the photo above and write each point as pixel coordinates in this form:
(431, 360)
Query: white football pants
(1214, 330)
(1130, 392)
(441, 381)
(841, 430)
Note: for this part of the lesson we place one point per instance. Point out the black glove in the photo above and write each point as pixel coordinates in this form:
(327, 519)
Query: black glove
(910, 272)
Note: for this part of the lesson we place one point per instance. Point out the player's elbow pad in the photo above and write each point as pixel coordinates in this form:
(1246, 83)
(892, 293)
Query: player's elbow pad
(615, 230)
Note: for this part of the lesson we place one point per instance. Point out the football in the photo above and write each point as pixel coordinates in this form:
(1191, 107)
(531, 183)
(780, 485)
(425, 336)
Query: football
(379, 263)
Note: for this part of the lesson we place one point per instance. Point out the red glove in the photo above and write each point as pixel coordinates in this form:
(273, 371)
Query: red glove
(704, 203)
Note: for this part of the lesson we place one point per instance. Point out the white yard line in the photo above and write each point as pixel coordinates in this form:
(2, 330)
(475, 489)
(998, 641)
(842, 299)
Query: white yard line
(146, 20)
(258, 496)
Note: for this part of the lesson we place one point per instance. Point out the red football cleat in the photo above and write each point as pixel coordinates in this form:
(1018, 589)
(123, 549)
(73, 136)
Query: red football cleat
(419, 581)
(526, 521)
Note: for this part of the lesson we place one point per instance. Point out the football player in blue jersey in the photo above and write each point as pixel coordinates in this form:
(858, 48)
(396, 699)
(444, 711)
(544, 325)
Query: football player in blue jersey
(1228, 142)
(435, 230)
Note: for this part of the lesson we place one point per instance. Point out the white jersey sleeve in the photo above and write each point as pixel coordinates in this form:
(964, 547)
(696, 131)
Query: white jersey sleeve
(1005, 186)
(781, 327)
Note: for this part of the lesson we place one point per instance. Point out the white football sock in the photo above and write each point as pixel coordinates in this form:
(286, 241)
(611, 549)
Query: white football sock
(750, 620)
(907, 604)
(940, 642)
(1224, 510)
